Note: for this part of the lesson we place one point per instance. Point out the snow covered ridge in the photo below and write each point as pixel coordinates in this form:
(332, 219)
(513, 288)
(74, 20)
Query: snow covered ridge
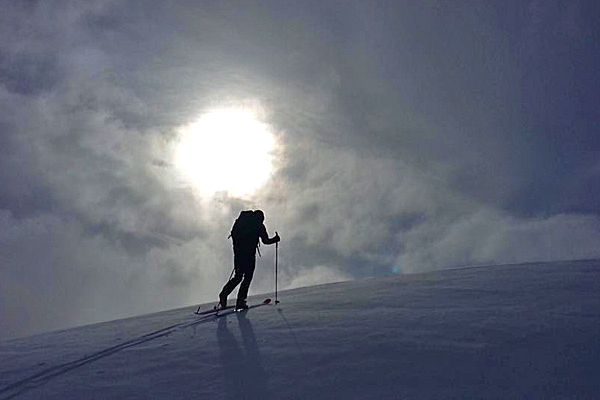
(518, 331)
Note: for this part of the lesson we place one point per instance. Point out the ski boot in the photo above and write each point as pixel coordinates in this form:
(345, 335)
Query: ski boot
(241, 305)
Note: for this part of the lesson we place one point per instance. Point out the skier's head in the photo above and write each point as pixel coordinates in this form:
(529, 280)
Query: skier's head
(260, 216)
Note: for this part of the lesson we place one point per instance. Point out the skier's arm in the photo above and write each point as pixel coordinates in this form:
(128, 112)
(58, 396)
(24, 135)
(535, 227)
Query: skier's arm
(264, 236)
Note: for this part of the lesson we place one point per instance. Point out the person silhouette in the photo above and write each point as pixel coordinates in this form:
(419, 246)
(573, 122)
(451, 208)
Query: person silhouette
(248, 228)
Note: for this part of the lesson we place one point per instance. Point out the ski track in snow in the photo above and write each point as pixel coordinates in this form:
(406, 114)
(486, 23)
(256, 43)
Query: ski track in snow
(44, 376)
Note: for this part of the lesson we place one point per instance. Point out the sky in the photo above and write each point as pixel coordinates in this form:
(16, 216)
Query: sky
(402, 137)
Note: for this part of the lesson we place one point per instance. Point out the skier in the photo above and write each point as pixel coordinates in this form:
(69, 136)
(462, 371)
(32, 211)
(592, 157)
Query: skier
(246, 231)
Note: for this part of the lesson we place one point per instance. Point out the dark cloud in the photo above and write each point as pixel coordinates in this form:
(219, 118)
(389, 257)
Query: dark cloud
(413, 137)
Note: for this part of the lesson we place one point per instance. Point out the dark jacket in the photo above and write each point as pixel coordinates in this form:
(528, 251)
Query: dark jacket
(247, 244)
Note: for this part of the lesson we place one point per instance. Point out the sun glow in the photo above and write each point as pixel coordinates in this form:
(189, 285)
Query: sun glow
(226, 151)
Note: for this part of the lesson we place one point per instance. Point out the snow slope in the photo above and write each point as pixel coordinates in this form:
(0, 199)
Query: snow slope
(518, 331)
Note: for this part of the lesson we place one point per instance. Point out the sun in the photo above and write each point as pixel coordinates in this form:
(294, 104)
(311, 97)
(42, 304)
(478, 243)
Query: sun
(227, 150)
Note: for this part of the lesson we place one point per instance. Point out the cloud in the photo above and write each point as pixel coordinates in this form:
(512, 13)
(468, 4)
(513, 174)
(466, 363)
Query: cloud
(317, 276)
(57, 273)
(491, 237)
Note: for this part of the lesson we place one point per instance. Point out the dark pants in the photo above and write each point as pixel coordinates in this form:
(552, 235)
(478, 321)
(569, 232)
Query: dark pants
(244, 264)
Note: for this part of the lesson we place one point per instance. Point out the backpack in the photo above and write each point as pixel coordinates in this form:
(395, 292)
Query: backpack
(245, 230)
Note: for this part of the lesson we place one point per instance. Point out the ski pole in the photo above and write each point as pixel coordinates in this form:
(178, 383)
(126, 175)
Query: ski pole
(276, 257)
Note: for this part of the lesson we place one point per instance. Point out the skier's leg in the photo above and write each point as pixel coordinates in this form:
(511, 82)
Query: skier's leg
(243, 292)
(233, 282)
(238, 268)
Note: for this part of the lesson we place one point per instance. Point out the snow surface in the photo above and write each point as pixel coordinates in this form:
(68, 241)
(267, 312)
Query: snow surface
(518, 331)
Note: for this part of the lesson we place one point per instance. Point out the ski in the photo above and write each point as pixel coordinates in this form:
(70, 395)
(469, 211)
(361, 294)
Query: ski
(217, 309)
(234, 310)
